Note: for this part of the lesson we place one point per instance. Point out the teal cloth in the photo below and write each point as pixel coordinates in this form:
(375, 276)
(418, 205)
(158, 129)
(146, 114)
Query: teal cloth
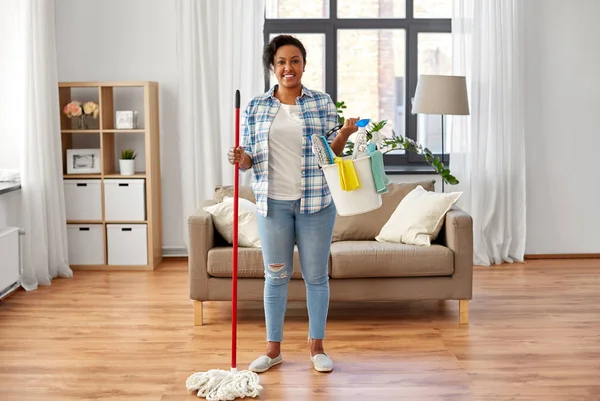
(378, 170)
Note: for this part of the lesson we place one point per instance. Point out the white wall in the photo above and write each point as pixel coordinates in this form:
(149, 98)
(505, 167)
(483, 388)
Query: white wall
(116, 40)
(563, 133)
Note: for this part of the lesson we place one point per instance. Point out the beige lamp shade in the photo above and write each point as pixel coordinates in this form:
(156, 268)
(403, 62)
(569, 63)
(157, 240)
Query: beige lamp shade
(441, 94)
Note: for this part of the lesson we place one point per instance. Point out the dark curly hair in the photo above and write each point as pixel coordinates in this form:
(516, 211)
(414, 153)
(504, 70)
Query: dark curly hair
(272, 47)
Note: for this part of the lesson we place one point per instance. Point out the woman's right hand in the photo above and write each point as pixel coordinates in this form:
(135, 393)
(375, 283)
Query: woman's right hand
(235, 155)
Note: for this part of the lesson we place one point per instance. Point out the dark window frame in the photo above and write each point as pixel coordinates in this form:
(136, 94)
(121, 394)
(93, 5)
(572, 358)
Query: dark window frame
(329, 26)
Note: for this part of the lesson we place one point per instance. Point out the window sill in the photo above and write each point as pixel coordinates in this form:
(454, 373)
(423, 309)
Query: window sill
(408, 170)
(6, 187)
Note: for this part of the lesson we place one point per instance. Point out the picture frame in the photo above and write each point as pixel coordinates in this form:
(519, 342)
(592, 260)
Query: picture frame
(83, 161)
(127, 119)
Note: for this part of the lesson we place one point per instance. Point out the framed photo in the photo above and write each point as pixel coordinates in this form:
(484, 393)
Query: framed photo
(83, 161)
(127, 119)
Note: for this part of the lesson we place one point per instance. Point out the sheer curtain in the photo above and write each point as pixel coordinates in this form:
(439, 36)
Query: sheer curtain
(488, 147)
(219, 50)
(37, 127)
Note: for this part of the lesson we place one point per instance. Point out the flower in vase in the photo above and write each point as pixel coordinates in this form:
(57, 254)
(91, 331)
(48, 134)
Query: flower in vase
(91, 108)
(73, 109)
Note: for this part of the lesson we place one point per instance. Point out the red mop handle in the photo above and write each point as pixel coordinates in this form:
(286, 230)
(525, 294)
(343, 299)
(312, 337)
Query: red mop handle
(235, 238)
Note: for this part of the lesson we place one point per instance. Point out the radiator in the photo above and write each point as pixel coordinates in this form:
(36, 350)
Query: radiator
(10, 260)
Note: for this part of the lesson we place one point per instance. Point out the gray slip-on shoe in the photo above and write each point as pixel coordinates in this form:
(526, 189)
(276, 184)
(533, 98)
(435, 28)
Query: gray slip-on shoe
(322, 363)
(264, 363)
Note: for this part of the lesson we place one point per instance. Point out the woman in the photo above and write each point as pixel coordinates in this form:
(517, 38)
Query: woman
(294, 205)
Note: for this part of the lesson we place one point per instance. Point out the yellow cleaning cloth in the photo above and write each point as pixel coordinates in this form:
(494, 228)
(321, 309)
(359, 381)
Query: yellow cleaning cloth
(348, 177)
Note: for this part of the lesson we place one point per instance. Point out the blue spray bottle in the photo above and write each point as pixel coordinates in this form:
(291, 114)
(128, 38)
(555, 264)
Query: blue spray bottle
(360, 144)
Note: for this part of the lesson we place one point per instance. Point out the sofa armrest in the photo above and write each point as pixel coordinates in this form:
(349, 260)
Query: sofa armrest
(201, 240)
(458, 236)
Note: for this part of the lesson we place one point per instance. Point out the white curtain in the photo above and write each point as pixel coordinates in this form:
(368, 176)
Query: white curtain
(488, 147)
(36, 125)
(219, 50)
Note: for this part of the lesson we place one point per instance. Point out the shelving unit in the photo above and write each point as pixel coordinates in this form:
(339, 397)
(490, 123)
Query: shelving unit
(96, 243)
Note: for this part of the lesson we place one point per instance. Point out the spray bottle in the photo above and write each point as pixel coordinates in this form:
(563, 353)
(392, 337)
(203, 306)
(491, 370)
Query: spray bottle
(360, 144)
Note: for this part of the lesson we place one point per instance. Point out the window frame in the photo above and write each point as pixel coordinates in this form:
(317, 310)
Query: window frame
(330, 26)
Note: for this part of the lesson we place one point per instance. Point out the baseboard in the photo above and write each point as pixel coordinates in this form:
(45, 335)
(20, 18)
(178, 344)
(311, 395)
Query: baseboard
(564, 256)
(10, 290)
(174, 251)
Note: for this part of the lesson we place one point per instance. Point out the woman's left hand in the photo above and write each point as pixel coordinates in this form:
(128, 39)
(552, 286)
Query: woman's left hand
(349, 127)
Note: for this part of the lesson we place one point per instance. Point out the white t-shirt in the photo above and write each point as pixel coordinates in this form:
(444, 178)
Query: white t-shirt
(285, 154)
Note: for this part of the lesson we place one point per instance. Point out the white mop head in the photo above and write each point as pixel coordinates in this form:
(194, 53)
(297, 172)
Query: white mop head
(224, 385)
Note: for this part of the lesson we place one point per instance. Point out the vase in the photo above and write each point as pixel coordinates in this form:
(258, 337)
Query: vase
(82, 122)
(127, 166)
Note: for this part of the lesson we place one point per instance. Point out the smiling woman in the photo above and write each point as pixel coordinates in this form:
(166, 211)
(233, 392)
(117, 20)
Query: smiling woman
(313, 75)
(287, 56)
(294, 203)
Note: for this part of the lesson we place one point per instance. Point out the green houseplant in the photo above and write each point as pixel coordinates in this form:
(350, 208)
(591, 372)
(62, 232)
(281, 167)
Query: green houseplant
(398, 142)
(127, 162)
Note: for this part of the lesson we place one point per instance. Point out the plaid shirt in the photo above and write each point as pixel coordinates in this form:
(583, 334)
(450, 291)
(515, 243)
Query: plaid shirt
(319, 115)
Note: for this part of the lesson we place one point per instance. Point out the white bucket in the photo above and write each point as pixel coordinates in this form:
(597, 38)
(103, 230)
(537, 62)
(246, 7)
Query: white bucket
(360, 200)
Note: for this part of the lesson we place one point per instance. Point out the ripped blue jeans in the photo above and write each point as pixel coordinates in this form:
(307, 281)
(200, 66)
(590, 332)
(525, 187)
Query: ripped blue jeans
(283, 228)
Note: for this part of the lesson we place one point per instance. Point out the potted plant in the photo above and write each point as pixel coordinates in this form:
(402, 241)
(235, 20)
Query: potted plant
(398, 142)
(127, 162)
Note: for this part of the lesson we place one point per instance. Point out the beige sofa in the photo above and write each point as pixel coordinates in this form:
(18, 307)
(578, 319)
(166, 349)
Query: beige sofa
(360, 268)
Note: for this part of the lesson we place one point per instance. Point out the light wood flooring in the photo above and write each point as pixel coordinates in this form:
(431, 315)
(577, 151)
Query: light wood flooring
(533, 334)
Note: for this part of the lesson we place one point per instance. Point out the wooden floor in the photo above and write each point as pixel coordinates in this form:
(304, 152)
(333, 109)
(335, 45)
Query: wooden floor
(534, 334)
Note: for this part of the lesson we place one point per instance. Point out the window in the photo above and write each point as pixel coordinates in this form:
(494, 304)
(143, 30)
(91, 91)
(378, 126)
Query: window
(369, 54)
(12, 78)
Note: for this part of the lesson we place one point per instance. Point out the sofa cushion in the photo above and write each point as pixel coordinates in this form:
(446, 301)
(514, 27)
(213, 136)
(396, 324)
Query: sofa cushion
(366, 226)
(358, 259)
(250, 263)
(221, 191)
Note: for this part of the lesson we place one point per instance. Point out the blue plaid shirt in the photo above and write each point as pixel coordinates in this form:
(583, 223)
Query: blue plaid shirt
(319, 115)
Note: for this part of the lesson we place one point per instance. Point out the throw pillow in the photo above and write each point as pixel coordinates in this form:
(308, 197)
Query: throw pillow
(243, 204)
(222, 214)
(366, 226)
(418, 218)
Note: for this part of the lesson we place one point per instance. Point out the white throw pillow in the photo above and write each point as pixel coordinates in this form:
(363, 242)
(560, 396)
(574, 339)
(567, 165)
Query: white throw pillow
(247, 227)
(418, 218)
(243, 203)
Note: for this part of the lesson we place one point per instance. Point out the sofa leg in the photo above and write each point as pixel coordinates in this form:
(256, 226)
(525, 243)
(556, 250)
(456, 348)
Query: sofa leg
(463, 311)
(198, 313)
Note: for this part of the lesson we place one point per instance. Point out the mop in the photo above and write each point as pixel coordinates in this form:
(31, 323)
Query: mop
(217, 384)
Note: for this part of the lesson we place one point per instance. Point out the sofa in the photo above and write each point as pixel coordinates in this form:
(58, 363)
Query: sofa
(360, 267)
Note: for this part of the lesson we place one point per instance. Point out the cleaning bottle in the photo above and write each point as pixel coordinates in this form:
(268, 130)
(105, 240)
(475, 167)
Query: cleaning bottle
(360, 144)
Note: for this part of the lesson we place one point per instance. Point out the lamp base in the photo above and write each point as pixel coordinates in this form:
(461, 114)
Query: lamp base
(443, 151)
